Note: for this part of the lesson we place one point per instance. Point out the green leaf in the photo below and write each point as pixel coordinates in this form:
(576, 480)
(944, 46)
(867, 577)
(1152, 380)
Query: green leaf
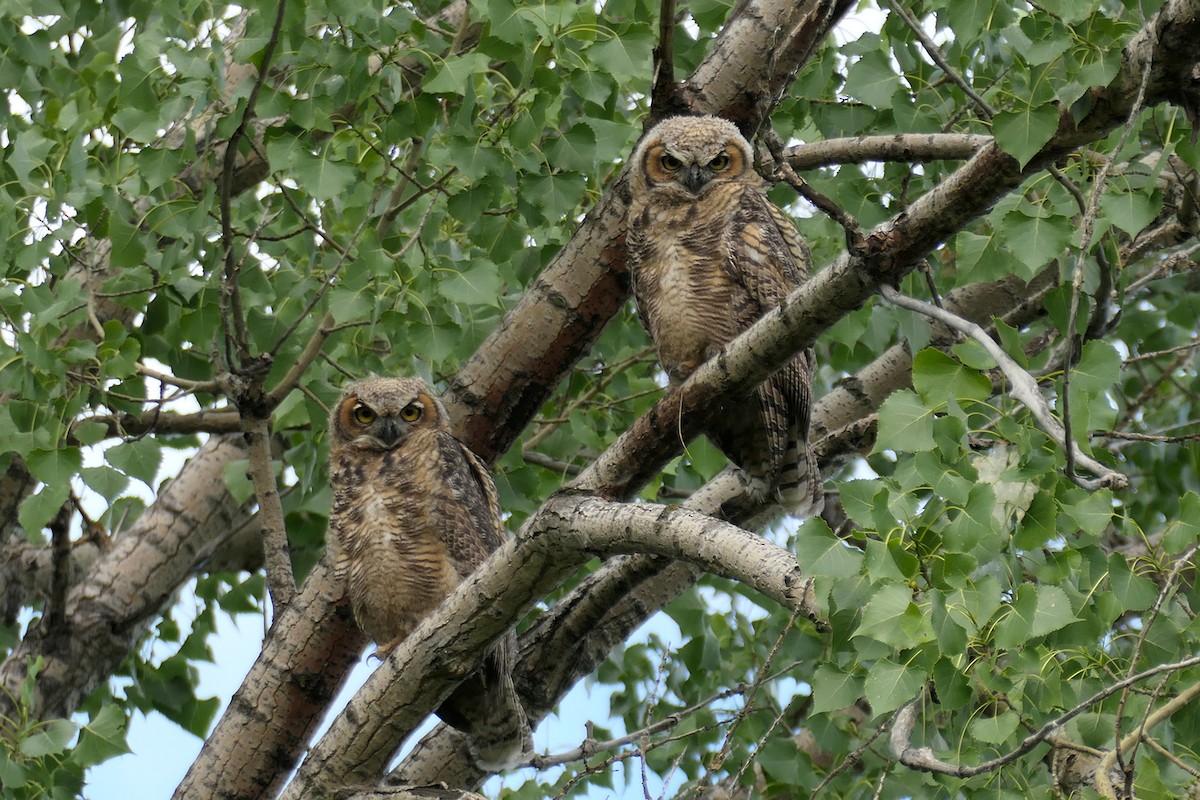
(1016, 625)
(951, 636)
(938, 377)
(625, 57)
(1099, 367)
(105, 481)
(873, 80)
(1132, 591)
(1040, 523)
(981, 258)
(781, 760)
(861, 498)
(1090, 511)
(323, 176)
(1182, 532)
(1036, 241)
(574, 150)
(975, 523)
(997, 729)
(54, 466)
(905, 424)
(1053, 611)
(37, 510)
(479, 285)
(237, 480)
(12, 775)
(822, 554)
(138, 459)
(102, 738)
(1022, 133)
(1131, 211)
(890, 685)
(349, 305)
(893, 618)
(451, 75)
(127, 248)
(833, 690)
(50, 738)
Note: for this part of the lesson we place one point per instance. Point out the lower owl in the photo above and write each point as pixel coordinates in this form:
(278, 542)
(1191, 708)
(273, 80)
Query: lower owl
(709, 254)
(415, 512)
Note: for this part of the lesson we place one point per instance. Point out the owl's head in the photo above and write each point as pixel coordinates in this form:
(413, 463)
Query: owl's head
(379, 413)
(688, 154)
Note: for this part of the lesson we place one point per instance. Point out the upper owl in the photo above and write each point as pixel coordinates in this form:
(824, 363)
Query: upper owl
(709, 254)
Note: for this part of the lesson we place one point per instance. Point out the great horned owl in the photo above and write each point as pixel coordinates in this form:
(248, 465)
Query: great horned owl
(414, 512)
(709, 255)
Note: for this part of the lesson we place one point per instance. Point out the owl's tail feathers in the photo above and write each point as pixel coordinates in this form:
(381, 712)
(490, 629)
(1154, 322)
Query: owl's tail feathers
(799, 487)
(486, 708)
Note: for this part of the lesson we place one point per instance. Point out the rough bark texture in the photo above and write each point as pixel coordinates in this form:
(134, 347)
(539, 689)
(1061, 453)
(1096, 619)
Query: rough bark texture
(304, 662)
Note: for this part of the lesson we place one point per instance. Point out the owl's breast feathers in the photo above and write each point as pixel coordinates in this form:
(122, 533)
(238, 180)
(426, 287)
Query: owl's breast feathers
(406, 543)
(685, 291)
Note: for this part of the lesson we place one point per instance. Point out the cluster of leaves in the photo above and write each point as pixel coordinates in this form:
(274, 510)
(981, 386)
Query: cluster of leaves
(47, 759)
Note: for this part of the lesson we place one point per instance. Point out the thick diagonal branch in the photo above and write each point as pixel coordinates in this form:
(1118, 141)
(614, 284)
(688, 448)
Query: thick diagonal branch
(448, 644)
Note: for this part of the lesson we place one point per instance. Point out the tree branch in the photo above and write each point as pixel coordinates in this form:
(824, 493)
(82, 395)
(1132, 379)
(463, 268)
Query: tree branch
(448, 644)
(935, 53)
(1023, 387)
(906, 147)
(280, 581)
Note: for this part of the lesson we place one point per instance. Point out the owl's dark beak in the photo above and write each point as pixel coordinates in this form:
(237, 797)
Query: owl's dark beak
(695, 177)
(389, 431)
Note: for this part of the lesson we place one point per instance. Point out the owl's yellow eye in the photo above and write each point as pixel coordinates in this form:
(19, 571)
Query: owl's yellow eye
(670, 163)
(410, 413)
(719, 163)
(363, 415)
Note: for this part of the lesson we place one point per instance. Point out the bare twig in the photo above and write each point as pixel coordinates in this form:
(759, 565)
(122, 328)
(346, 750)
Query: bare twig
(1182, 348)
(230, 295)
(1085, 242)
(663, 93)
(1147, 437)
(783, 171)
(280, 580)
(1148, 620)
(849, 761)
(1024, 388)
(311, 350)
(60, 542)
(1179, 701)
(935, 53)
(748, 701)
(181, 383)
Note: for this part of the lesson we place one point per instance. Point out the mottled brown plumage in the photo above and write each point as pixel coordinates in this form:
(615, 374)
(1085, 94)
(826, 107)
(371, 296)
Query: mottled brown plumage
(709, 255)
(414, 512)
